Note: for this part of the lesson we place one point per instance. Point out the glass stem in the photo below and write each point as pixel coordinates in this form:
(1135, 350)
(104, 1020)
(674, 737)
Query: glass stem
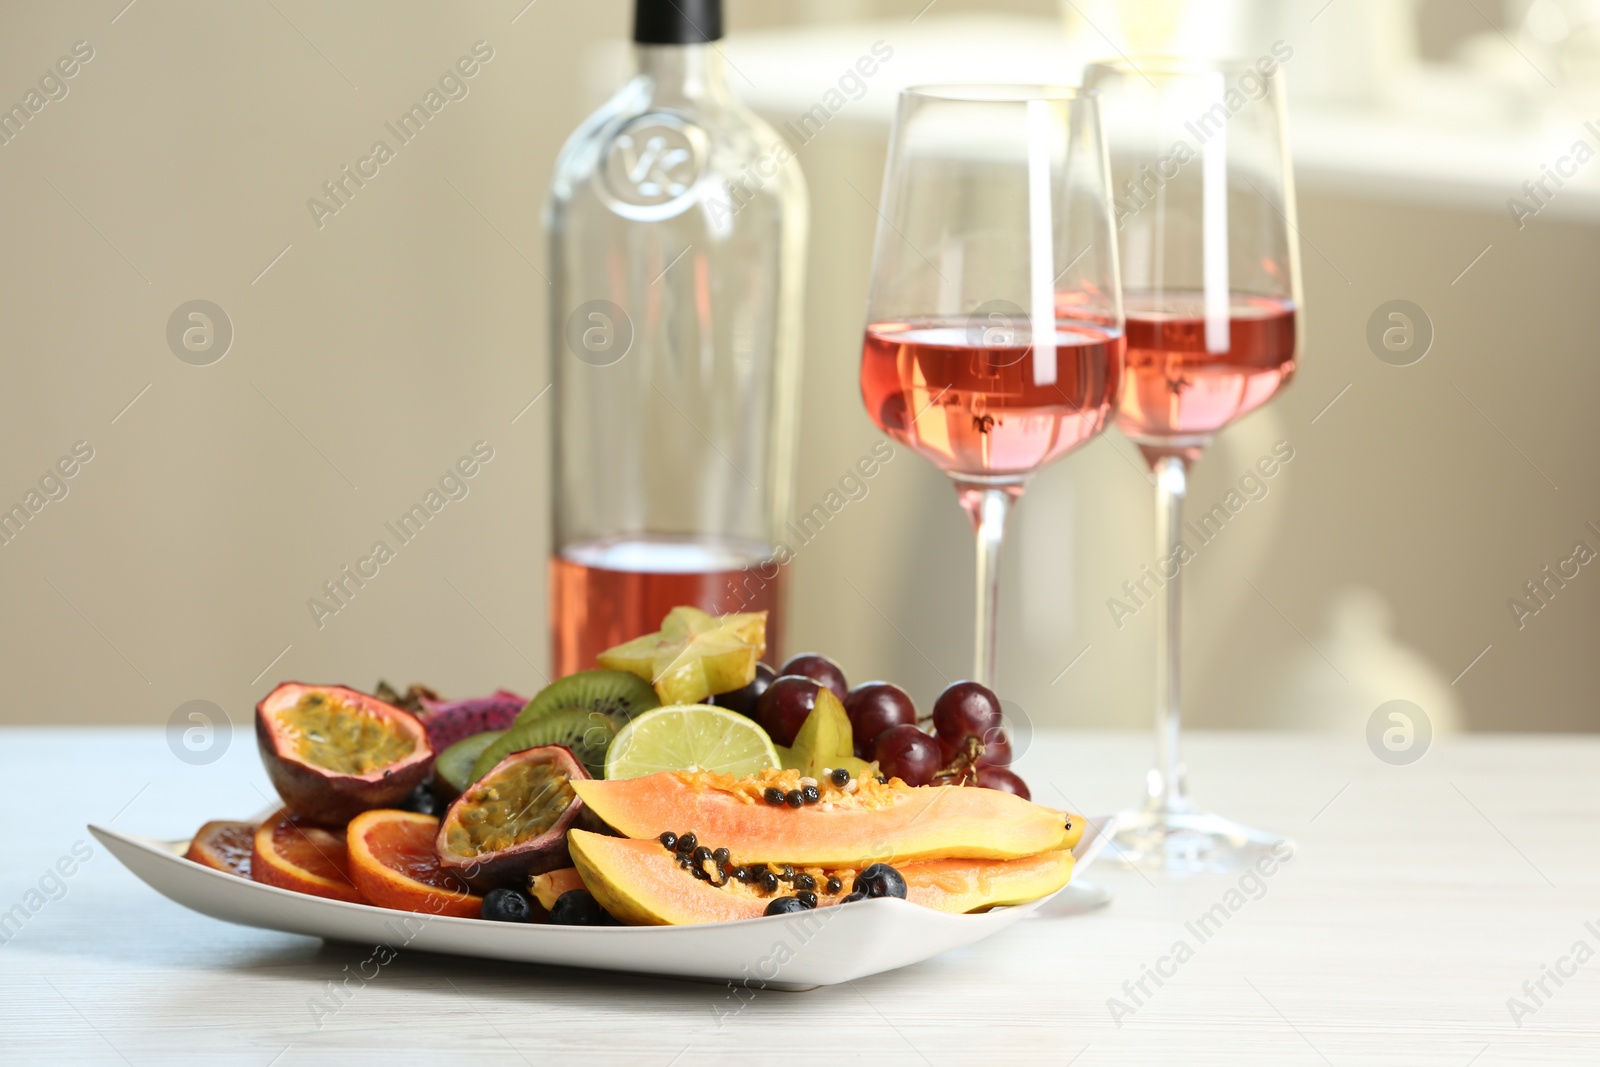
(987, 506)
(1167, 789)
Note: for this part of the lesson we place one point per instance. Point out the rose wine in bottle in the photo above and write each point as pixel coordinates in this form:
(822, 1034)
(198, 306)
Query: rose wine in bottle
(677, 223)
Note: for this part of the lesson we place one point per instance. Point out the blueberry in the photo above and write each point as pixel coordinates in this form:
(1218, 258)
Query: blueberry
(849, 898)
(507, 906)
(577, 907)
(423, 801)
(785, 905)
(880, 880)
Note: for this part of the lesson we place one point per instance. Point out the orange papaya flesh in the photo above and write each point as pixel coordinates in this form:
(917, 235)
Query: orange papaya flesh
(547, 888)
(640, 883)
(862, 822)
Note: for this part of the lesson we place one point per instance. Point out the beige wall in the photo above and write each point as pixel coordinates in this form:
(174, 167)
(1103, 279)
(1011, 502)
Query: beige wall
(382, 345)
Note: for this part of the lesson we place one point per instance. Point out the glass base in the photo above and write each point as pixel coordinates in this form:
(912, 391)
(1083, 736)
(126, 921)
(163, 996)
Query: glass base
(1189, 842)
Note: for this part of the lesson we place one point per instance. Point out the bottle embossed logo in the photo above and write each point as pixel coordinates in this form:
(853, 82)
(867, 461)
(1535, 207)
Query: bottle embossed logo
(651, 166)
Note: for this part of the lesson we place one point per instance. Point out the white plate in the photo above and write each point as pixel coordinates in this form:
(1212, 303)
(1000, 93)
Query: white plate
(790, 952)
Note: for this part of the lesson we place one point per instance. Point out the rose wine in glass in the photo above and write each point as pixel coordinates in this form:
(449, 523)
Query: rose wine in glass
(1211, 276)
(977, 411)
(994, 334)
(1177, 388)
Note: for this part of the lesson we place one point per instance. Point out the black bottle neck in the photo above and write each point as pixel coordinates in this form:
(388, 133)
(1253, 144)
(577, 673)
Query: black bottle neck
(677, 21)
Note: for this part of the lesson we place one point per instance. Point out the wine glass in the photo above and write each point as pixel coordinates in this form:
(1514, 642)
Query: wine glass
(1211, 280)
(994, 337)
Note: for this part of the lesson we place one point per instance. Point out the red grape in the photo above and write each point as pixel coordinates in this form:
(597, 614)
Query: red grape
(965, 710)
(1003, 779)
(783, 708)
(905, 752)
(874, 707)
(996, 750)
(744, 700)
(819, 669)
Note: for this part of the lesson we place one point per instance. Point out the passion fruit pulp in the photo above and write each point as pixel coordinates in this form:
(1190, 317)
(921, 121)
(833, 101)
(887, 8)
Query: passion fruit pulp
(512, 823)
(333, 752)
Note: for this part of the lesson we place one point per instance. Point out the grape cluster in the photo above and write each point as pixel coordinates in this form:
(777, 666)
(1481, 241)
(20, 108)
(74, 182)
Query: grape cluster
(968, 744)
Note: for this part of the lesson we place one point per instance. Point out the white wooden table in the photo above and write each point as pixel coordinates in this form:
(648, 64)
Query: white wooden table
(1421, 899)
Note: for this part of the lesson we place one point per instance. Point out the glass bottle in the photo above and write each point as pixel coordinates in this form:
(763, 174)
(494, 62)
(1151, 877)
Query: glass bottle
(677, 223)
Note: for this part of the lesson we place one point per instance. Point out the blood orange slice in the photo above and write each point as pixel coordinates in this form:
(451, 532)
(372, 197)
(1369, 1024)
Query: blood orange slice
(224, 846)
(394, 865)
(300, 856)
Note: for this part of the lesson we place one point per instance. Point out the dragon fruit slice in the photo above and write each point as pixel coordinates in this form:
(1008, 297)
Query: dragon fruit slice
(448, 721)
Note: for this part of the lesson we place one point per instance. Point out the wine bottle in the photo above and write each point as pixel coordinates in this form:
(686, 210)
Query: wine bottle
(677, 224)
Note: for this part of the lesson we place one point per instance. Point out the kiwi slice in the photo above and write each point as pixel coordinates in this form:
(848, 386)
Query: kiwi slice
(586, 732)
(582, 711)
(452, 768)
(616, 694)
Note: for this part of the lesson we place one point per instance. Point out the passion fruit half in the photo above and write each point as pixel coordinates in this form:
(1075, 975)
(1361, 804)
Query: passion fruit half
(333, 752)
(512, 822)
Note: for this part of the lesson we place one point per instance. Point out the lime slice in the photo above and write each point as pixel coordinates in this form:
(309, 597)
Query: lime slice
(686, 737)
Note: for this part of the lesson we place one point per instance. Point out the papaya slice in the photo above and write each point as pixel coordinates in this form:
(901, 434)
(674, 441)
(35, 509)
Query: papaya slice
(547, 888)
(864, 821)
(642, 884)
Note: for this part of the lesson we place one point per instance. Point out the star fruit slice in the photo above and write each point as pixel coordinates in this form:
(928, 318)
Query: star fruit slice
(694, 655)
(824, 741)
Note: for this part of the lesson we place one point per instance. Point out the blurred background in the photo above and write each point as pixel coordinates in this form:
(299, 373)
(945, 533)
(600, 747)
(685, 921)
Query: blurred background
(366, 351)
